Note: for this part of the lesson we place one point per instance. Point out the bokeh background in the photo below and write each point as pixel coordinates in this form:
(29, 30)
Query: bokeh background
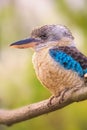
(18, 83)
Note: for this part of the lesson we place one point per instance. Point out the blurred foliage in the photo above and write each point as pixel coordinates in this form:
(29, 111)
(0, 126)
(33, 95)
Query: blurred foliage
(76, 18)
(19, 85)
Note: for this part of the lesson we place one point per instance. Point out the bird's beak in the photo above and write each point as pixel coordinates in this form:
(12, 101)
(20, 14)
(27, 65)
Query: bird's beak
(26, 43)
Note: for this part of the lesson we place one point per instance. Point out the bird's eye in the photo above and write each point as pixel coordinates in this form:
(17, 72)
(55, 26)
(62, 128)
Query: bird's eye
(43, 36)
(65, 33)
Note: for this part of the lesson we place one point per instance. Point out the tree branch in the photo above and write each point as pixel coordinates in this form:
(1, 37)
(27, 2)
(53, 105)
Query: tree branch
(9, 117)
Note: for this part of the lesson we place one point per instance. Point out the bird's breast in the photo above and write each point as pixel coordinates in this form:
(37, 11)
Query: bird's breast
(52, 74)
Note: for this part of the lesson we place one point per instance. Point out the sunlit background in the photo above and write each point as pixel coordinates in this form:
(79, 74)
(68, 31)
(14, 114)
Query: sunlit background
(18, 83)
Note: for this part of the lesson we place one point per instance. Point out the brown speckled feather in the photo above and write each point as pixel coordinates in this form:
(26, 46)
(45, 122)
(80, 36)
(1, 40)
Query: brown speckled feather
(52, 75)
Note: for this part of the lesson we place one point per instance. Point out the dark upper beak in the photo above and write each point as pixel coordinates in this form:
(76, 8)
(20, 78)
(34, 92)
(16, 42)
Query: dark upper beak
(26, 43)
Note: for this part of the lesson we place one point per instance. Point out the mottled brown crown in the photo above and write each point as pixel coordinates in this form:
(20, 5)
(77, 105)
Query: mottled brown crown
(55, 31)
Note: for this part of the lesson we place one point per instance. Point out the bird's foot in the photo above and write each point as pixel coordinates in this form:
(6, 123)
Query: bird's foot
(72, 90)
(62, 94)
(50, 101)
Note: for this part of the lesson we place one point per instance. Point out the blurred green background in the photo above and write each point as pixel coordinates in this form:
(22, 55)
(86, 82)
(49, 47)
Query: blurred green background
(18, 83)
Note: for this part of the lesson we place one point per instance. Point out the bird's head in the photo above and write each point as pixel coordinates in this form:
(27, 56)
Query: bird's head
(47, 36)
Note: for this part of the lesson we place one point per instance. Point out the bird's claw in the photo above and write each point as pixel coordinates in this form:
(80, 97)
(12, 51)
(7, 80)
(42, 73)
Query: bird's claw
(50, 101)
(62, 95)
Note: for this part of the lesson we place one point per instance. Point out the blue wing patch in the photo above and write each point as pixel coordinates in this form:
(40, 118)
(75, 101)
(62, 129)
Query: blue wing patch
(67, 61)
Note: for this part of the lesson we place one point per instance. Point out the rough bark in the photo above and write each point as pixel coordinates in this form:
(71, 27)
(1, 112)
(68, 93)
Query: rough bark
(9, 117)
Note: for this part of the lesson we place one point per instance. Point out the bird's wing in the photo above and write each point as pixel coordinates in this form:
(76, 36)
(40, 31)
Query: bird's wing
(70, 58)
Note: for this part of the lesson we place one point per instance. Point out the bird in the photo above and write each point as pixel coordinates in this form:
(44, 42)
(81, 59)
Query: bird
(58, 64)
